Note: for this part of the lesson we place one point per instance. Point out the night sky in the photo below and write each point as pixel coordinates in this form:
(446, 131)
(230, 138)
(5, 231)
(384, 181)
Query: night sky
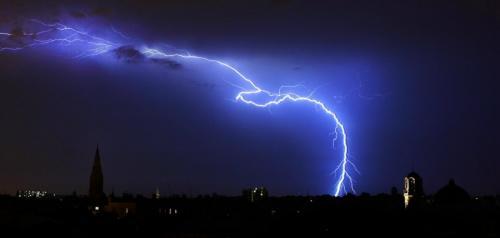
(414, 82)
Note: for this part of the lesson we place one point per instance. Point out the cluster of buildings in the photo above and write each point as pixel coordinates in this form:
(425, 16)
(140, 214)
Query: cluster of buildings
(98, 203)
(254, 213)
(37, 194)
(451, 195)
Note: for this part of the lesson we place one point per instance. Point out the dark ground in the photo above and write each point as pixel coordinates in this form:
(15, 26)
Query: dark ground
(216, 216)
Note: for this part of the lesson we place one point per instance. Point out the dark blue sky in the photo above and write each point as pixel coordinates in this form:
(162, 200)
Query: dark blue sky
(415, 84)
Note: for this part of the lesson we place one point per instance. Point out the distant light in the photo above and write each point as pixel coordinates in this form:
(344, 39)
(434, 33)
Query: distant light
(33, 194)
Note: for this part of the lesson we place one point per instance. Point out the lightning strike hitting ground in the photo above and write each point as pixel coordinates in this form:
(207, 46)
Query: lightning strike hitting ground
(97, 46)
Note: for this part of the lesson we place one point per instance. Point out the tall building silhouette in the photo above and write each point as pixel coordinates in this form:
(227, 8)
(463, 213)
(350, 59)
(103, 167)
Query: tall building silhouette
(413, 190)
(96, 194)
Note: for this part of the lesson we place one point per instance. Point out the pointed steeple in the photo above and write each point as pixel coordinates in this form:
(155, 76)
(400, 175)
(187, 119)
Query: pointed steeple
(96, 193)
(97, 161)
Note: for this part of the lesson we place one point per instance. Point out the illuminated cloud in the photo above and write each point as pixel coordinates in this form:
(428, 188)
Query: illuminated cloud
(129, 54)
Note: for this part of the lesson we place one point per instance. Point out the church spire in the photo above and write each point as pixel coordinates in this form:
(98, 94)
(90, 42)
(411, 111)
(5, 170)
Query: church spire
(96, 193)
(97, 160)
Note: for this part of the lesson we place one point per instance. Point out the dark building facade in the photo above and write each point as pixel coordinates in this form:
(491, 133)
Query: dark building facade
(452, 196)
(96, 193)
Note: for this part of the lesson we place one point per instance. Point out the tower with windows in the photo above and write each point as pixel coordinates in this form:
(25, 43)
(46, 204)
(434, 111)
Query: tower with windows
(413, 191)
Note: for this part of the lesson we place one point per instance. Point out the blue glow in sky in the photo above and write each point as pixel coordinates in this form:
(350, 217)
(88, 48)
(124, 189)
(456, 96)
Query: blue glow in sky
(186, 133)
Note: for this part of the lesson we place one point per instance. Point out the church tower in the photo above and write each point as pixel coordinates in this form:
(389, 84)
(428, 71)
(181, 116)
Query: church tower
(96, 194)
(413, 190)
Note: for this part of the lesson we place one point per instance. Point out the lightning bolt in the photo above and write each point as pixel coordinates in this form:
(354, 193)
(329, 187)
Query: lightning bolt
(98, 46)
